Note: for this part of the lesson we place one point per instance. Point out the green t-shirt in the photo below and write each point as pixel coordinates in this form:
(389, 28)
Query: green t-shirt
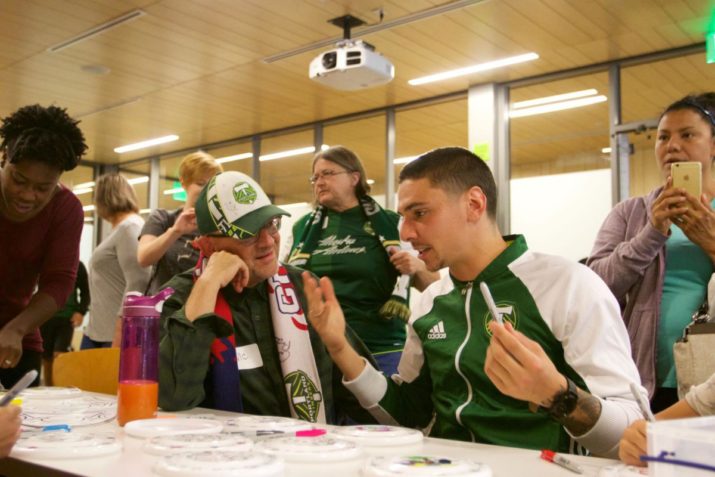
(687, 272)
(351, 255)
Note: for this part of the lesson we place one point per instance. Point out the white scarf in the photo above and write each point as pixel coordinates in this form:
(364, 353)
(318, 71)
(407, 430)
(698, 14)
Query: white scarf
(300, 373)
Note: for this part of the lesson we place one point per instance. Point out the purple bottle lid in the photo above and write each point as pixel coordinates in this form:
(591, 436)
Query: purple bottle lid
(136, 304)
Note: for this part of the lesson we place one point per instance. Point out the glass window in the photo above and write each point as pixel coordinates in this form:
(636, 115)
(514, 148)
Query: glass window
(422, 129)
(560, 178)
(138, 176)
(647, 89)
(366, 138)
(285, 179)
(79, 181)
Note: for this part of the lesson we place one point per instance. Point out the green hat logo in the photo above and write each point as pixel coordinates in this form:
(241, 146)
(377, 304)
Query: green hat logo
(244, 193)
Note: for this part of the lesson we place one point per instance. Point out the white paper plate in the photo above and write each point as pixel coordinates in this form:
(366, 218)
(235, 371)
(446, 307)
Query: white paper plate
(51, 392)
(172, 444)
(265, 423)
(378, 435)
(219, 464)
(310, 449)
(65, 445)
(81, 411)
(171, 426)
(431, 466)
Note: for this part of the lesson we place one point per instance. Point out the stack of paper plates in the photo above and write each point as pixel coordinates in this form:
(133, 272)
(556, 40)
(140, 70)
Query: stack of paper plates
(424, 466)
(378, 435)
(310, 449)
(219, 464)
(163, 426)
(64, 445)
(171, 444)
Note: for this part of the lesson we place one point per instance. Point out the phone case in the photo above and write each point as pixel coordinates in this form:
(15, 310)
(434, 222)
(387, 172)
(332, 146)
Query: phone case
(687, 175)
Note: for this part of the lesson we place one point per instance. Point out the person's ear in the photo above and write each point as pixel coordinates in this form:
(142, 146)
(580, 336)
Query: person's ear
(476, 202)
(204, 245)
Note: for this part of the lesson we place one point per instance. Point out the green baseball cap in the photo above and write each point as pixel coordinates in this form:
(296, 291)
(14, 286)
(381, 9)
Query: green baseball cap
(233, 204)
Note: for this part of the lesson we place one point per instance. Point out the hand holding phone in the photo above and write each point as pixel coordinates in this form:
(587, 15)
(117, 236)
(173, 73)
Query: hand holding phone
(19, 386)
(688, 176)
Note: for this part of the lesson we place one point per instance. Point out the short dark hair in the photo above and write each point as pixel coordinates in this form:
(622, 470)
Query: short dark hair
(455, 170)
(347, 159)
(48, 135)
(702, 103)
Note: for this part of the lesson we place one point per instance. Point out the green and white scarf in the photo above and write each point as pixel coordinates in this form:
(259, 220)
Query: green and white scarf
(396, 306)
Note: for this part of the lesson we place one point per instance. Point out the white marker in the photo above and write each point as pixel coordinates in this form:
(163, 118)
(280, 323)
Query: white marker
(490, 302)
(642, 403)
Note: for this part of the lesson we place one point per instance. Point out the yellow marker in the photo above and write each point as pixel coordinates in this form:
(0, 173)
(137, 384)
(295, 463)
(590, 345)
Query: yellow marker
(16, 402)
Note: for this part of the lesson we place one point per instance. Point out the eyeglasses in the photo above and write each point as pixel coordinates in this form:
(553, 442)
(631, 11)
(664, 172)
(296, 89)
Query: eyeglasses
(271, 227)
(327, 174)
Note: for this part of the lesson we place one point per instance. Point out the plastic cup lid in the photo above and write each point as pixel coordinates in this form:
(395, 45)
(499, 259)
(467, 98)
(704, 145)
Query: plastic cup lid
(64, 445)
(424, 466)
(170, 444)
(171, 426)
(219, 464)
(378, 435)
(265, 423)
(51, 392)
(310, 449)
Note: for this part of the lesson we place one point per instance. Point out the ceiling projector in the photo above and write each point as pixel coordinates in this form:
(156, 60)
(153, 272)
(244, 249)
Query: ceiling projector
(351, 65)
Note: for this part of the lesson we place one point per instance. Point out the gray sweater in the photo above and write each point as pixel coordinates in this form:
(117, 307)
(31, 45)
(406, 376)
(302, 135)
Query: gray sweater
(629, 255)
(113, 271)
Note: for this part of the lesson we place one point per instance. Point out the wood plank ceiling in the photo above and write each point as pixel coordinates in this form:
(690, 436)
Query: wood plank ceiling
(196, 68)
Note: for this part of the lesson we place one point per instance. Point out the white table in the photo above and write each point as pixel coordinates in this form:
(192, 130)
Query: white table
(132, 461)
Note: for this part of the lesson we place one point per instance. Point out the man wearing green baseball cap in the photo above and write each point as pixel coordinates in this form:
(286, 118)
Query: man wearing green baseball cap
(234, 333)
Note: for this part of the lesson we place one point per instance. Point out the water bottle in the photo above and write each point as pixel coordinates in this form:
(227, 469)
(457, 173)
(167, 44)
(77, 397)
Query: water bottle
(138, 393)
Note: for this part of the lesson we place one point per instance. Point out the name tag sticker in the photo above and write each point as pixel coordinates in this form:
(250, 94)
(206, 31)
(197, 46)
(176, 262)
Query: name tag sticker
(248, 357)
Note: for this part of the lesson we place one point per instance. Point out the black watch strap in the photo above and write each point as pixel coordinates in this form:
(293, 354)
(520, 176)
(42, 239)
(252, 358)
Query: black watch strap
(564, 402)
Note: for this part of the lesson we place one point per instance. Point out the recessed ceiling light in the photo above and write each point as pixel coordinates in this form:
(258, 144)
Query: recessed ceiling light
(554, 99)
(147, 143)
(404, 160)
(138, 180)
(551, 107)
(235, 157)
(489, 65)
(98, 70)
(291, 152)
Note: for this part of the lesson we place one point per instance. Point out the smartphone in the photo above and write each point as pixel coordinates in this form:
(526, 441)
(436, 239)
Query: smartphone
(687, 175)
(19, 386)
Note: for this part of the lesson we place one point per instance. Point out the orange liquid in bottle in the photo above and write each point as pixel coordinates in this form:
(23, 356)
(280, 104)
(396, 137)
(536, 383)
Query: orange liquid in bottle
(136, 399)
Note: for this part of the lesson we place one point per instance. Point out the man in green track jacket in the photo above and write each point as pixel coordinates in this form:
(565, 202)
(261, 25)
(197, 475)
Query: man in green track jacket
(554, 376)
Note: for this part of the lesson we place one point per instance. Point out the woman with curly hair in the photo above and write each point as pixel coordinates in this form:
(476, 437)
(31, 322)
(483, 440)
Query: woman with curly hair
(40, 227)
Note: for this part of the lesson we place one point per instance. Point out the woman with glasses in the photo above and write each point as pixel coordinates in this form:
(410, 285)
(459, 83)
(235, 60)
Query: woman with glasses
(656, 252)
(166, 239)
(113, 268)
(352, 240)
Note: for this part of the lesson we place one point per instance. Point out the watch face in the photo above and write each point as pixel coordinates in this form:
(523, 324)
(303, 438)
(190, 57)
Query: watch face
(565, 402)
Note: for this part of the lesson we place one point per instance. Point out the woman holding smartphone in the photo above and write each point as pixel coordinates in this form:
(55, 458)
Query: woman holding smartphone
(656, 252)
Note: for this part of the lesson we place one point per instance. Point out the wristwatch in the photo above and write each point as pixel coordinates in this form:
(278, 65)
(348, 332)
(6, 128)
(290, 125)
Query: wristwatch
(564, 402)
